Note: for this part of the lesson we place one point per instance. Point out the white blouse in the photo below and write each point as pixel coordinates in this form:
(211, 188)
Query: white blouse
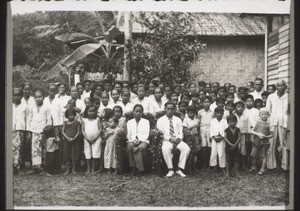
(139, 129)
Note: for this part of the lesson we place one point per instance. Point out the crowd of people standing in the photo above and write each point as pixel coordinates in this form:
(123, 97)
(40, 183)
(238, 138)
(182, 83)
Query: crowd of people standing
(229, 126)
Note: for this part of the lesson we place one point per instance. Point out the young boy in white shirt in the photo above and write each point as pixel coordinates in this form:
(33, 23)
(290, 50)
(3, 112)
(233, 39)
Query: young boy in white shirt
(205, 117)
(253, 115)
(217, 132)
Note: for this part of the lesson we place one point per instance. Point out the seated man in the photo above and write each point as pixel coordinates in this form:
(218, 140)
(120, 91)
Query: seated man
(171, 128)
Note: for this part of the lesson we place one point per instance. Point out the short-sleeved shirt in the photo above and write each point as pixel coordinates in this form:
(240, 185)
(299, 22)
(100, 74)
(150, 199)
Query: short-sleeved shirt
(262, 127)
(205, 117)
(188, 122)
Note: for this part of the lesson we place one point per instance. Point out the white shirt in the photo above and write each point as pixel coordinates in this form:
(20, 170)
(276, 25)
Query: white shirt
(252, 114)
(63, 101)
(112, 104)
(164, 98)
(256, 95)
(133, 96)
(243, 123)
(154, 107)
(54, 109)
(213, 106)
(39, 119)
(144, 103)
(205, 117)
(218, 127)
(151, 97)
(127, 108)
(140, 130)
(85, 94)
(278, 108)
(30, 102)
(163, 126)
(20, 117)
(188, 122)
(102, 107)
(81, 105)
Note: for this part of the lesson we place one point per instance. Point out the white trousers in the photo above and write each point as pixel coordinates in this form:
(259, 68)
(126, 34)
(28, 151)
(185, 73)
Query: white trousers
(167, 153)
(218, 150)
(278, 137)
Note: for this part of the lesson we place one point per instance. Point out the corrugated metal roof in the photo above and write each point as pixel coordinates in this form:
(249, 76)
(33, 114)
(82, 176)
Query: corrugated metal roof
(214, 24)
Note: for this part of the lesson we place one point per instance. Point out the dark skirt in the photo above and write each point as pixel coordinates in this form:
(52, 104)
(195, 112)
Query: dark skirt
(52, 162)
(71, 150)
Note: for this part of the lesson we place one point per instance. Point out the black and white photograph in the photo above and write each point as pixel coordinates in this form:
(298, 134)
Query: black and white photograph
(173, 105)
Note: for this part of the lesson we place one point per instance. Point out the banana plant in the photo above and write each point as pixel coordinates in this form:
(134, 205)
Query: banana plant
(104, 46)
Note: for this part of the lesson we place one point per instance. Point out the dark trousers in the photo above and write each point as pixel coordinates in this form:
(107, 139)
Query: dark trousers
(137, 157)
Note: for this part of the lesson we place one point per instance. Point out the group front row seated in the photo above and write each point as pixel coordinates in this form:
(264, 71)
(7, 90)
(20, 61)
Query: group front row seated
(61, 129)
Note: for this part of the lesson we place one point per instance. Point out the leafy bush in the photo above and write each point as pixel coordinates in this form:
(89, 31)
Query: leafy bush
(25, 73)
(167, 50)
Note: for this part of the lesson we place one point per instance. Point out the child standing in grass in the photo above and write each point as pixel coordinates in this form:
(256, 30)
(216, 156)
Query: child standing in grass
(253, 115)
(205, 118)
(52, 153)
(232, 138)
(262, 133)
(91, 130)
(71, 132)
(244, 126)
(217, 132)
(110, 157)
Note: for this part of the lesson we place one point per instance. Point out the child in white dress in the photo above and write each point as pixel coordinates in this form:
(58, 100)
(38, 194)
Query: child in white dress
(91, 130)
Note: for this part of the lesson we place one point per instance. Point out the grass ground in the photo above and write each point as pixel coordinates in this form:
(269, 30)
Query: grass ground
(198, 190)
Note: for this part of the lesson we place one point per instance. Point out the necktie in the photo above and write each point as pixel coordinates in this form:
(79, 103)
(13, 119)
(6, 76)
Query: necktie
(171, 128)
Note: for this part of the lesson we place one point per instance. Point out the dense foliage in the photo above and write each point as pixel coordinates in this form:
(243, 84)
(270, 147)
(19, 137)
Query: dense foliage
(167, 50)
(34, 45)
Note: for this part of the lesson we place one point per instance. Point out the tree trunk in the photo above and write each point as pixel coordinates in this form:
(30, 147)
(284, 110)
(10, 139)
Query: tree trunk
(127, 39)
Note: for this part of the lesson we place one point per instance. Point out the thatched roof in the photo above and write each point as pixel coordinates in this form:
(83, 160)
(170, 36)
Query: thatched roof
(215, 24)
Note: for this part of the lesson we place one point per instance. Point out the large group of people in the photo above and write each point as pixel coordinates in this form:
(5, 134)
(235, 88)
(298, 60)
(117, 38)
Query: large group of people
(229, 126)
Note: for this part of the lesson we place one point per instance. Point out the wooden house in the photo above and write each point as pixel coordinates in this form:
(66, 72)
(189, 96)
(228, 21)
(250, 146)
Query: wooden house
(235, 46)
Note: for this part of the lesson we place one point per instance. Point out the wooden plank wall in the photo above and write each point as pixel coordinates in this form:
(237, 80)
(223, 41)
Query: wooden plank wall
(279, 55)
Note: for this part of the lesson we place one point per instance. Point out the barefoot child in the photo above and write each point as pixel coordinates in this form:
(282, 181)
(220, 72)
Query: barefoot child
(232, 137)
(217, 132)
(71, 131)
(91, 130)
(262, 133)
(110, 157)
(244, 126)
(52, 153)
(205, 117)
